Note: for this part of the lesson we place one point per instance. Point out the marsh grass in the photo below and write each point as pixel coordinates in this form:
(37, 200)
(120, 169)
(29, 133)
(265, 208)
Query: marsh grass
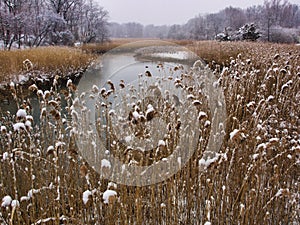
(51, 60)
(254, 181)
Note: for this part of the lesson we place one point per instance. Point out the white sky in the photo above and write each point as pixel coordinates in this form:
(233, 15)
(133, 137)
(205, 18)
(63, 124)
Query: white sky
(161, 12)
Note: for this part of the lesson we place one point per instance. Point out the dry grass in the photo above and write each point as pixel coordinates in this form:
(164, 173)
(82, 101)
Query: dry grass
(101, 48)
(255, 180)
(53, 60)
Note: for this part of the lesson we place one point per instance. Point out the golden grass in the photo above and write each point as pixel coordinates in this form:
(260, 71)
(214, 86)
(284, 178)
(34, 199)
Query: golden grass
(60, 60)
(221, 53)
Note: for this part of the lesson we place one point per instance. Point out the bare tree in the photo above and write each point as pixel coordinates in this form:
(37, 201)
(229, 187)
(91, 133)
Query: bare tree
(272, 14)
(94, 23)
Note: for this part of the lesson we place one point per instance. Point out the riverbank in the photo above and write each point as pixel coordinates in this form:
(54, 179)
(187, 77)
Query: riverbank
(40, 65)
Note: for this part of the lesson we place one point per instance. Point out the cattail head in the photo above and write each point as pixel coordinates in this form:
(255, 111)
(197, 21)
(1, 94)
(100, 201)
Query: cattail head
(27, 64)
(110, 83)
(83, 170)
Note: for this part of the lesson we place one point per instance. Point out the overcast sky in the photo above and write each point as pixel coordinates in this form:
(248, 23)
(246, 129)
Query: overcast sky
(160, 12)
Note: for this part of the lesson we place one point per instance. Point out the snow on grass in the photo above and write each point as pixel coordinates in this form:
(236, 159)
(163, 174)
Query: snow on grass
(180, 55)
(161, 143)
(19, 126)
(205, 163)
(6, 201)
(86, 196)
(105, 163)
(107, 195)
(15, 203)
(234, 133)
(3, 129)
(202, 115)
(21, 113)
(5, 156)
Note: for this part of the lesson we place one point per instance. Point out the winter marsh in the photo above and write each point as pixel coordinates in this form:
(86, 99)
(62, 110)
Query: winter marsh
(254, 179)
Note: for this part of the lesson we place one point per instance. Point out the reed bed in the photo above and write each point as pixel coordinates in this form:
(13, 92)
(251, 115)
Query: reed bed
(254, 180)
(53, 60)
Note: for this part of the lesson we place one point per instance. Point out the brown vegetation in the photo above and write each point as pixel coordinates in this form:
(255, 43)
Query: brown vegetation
(53, 60)
(254, 181)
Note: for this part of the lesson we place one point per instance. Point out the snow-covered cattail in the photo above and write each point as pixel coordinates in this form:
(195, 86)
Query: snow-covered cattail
(109, 197)
(148, 73)
(33, 88)
(122, 84)
(110, 83)
(21, 114)
(28, 65)
(3, 129)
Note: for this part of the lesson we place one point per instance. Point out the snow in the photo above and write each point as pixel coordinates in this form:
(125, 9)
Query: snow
(12, 84)
(59, 144)
(179, 160)
(31, 192)
(3, 129)
(6, 201)
(251, 104)
(181, 55)
(136, 115)
(255, 156)
(95, 89)
(5, 155)
(69, 83)
(272, 140)
(19, 126)
(149, 109)
(24, 198)
(40, 93)
(28, 124)
(107, 194)
(270, 98)
(234, 133)
(112, 112)
(202, 115)
(21, 113)
(105, 163)
(190, 96)
(128, 139)
(29, 118)
(15, 203)
(112, 185)
(86, 195)
(161, 143)
(207, 123)
(50, 148)
(206, 163)
(262, 145)
(46, 94)
(279, 192)
(207, 223)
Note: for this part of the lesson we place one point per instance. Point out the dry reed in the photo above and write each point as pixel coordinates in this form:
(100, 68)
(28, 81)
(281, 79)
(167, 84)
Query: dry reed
(254, 181)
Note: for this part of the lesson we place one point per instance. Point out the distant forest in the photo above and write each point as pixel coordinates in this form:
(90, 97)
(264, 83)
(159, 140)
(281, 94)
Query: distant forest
(68, 22)
(275, 20)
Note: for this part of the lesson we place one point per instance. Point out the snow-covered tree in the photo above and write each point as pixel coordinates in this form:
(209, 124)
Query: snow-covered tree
(93, 23)
(249, 32)
(51, 22)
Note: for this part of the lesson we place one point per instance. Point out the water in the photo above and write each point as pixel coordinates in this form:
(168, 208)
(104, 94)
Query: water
(114, 66)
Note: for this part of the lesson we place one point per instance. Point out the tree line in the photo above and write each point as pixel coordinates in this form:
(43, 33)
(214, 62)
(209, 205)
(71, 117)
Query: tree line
(275, 20)
(64, 22)
(51, 22)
